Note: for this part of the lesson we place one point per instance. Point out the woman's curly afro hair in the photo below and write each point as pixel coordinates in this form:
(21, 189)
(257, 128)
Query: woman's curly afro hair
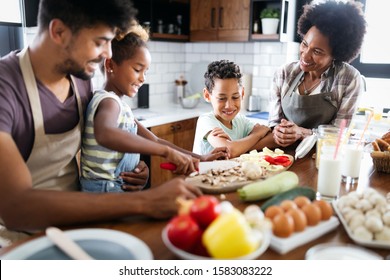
(343, 23)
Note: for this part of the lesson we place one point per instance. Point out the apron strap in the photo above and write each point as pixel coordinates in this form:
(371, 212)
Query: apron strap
(294, 84)
(32, 90)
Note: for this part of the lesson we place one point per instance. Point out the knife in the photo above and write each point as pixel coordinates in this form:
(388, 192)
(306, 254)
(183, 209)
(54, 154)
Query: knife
(205, 166)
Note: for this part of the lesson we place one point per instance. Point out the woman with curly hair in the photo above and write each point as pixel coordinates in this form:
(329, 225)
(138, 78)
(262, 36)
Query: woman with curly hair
(322, 87)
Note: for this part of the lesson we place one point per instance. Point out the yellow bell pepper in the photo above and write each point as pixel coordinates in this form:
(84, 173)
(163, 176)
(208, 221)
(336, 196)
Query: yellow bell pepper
(230, 236)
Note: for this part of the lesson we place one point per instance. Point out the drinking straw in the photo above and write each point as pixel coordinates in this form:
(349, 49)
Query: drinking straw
(350, 128)
(342, 126)
(365, 127)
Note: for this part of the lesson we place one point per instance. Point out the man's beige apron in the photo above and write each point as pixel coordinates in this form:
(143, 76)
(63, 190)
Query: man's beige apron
(52, 162)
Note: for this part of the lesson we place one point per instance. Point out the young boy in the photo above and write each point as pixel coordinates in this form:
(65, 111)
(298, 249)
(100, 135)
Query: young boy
(224, 126)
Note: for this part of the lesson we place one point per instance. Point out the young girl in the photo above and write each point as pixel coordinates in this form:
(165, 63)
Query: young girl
(113, 139)
(224, 126)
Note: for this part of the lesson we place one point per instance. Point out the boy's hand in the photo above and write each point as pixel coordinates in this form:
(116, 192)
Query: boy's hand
(218, 153)
(260, 130)
(219, 132)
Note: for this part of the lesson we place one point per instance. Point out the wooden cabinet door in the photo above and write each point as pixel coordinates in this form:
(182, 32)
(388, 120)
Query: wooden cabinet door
(204, 20)
(220, 20)
(180, 133)
(233, 20)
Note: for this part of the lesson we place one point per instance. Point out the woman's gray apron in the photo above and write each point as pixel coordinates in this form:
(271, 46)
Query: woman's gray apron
(308, 111)
(52, 162)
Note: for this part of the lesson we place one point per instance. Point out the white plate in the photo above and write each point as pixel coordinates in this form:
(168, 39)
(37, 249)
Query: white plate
(340, 252)
(188, 256)
(285, 245)
(104, 244)
(371, 244)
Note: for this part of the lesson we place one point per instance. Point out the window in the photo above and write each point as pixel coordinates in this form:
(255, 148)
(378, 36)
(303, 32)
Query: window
(374, 59)
(10, 12)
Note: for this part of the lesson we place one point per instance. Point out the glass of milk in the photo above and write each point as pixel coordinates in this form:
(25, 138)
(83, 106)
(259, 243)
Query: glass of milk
(353, 153)
(329, 174)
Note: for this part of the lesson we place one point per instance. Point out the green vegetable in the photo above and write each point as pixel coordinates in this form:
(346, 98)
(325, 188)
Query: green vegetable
(264, 189)
(290, 195)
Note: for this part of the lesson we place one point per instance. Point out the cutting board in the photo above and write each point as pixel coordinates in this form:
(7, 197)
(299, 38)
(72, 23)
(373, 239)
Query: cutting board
(226, 187)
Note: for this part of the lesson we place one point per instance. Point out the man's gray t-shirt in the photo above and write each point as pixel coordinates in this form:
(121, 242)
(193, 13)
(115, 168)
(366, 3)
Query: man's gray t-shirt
(15, 112)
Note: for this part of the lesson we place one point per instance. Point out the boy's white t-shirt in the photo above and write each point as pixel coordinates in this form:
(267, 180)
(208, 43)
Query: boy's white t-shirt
(242, 126)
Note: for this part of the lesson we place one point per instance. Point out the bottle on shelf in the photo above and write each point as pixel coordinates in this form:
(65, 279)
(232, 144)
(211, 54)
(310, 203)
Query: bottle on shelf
(256, 26)
(160, 26)
(179, 23)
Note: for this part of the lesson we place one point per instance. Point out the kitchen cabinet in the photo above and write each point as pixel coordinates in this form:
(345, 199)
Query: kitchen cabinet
(290, 13)
(168, 20)
(182, 134)
(219, 20)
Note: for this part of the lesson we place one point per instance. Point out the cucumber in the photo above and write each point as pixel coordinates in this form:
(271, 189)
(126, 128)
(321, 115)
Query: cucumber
(290, 195)
(278, 183)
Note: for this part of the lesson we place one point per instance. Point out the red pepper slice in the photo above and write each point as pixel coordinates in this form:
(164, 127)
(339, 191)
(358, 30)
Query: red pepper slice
(278, 160)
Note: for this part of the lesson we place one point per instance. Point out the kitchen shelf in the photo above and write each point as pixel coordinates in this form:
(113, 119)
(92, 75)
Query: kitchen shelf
(270, 37)
(172, 37)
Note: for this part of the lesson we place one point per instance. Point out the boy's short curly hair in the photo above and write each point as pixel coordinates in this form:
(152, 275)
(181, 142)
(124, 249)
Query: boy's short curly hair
(342, 22)
(222, 69)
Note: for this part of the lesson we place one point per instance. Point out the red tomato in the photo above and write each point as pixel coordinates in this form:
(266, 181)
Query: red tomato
(205, 209)
(184, 232)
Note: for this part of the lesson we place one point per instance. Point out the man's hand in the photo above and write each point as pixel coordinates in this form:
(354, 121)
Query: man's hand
(161, 202)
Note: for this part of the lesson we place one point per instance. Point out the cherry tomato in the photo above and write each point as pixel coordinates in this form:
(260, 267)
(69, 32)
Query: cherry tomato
(205, 209)
(184, 232)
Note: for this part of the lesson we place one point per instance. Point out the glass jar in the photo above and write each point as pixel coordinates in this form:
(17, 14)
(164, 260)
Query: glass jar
(326, 140)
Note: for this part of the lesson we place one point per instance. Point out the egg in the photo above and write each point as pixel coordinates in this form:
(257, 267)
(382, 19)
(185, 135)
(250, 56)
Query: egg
(313, 214)
(272, 211)
(301, 201)
(288, 204)
(283, 225)
(326, 209)
(300, 220)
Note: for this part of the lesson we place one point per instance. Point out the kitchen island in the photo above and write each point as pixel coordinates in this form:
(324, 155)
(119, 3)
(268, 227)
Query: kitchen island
(149, 230)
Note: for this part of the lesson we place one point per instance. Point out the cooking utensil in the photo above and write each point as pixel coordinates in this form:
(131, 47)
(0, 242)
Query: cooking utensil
(205, 166)
(66, 244)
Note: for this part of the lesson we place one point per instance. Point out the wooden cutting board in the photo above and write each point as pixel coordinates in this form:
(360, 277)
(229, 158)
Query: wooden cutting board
(226, 187)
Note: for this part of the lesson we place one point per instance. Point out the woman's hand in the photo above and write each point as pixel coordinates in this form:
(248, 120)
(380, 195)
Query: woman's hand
(136, 179)
(287, 133)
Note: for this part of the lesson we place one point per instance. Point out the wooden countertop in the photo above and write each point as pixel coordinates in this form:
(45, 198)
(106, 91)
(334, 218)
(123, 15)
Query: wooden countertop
(149, 230)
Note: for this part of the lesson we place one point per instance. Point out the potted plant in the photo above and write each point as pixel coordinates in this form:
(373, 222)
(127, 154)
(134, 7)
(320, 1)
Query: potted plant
(270, 20)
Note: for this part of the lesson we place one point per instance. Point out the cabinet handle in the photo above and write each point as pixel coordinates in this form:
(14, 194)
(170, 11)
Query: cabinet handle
(173, 128)
(220, 17)
(212, 19)
(178, 126)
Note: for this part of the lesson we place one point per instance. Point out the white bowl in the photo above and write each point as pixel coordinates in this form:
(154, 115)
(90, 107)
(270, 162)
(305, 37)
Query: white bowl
(188, 256)
(101, 244)
(189, 103)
